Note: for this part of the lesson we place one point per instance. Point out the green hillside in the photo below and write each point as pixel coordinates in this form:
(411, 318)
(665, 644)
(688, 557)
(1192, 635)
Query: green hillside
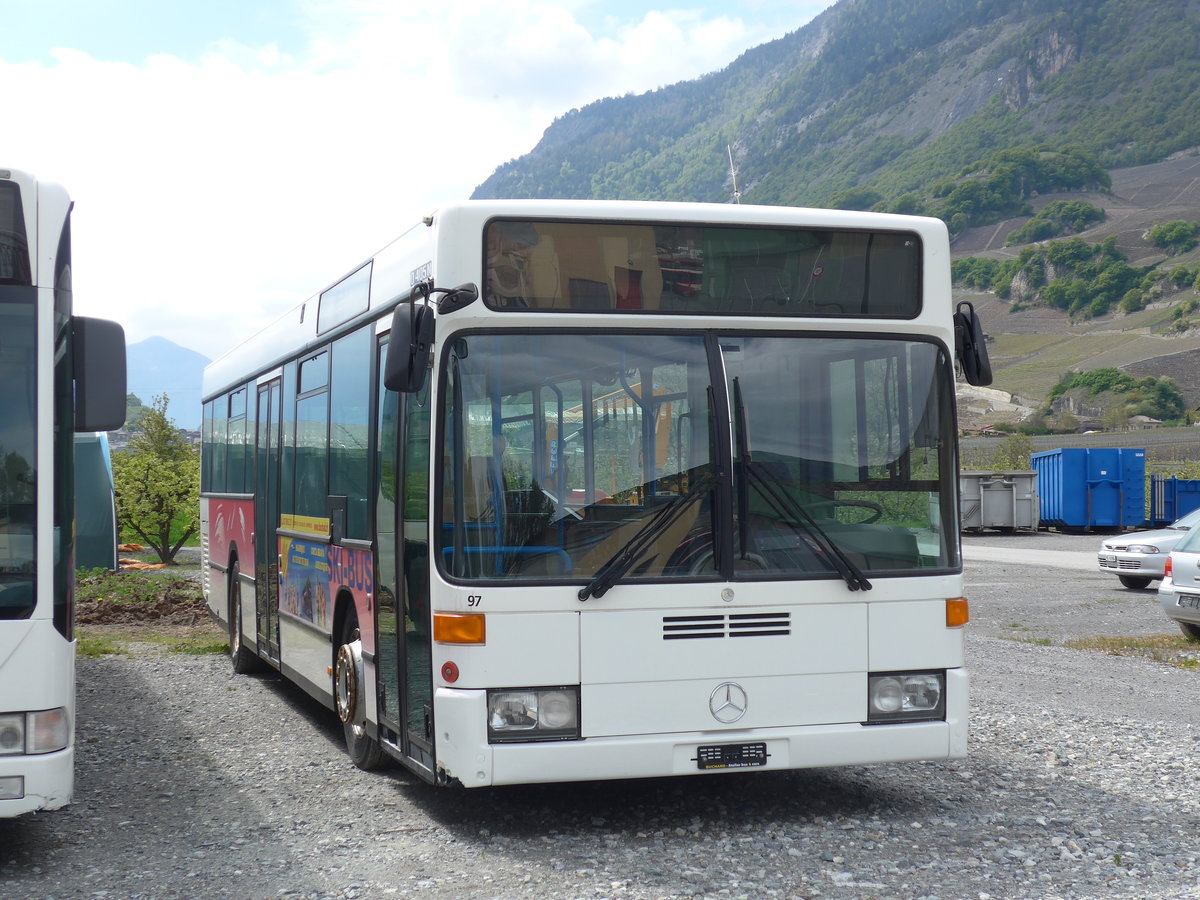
(876, 102)
(1058, 139)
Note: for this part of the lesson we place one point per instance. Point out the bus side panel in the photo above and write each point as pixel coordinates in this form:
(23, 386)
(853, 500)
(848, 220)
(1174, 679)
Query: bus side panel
(34, 646)
(229, 530)
(232, 523)
(312, 575)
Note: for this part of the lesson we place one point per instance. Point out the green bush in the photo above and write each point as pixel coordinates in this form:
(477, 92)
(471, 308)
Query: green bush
(1175, 237)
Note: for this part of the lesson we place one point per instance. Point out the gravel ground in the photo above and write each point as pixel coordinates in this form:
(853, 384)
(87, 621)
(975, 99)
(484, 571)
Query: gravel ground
(193, 782)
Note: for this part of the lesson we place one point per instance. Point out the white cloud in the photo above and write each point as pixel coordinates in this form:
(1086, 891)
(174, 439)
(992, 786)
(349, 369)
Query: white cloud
(211, 196)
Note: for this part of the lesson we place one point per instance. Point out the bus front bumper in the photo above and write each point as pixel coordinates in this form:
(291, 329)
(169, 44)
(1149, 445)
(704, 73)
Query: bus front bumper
(473, 762)
(33, 782)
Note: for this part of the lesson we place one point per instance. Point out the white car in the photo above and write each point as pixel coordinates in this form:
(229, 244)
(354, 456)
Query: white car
(1139, 558)
(1179, 593)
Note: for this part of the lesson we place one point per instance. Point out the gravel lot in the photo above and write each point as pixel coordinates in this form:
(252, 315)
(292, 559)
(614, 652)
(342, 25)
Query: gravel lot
(193, 782)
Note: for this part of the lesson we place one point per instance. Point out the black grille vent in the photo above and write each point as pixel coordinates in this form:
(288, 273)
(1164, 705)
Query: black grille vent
(738, 625)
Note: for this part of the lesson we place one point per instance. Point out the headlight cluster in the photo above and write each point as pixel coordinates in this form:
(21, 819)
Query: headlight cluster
(34, 732)
(906, 697)
(1142, 548)
(533, 714)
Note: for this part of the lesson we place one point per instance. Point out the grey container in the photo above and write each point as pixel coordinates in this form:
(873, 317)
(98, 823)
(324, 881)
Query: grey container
(1007, 501)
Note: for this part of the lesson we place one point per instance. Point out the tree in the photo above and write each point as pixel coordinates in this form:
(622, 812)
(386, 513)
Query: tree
(157, 482)
(1175, 237)
(1013, 453)
(133, 411)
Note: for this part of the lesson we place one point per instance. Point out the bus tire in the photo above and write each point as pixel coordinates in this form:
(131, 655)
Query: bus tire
(348, 683)
(244, 660)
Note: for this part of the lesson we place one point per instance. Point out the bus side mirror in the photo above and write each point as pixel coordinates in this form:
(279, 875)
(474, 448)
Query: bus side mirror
(409, 349)
(99, 361)
(969, 346)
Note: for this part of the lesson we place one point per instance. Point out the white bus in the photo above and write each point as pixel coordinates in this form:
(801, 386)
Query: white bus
(60, 374)
(553, 491)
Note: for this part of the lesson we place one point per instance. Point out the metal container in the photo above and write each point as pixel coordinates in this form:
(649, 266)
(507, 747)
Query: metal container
(1100, 487)
(1004, 500)
(1171, 498)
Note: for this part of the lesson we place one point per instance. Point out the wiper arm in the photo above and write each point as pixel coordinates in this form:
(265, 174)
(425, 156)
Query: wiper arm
(782, 502)
(785, 504)
(622, 561)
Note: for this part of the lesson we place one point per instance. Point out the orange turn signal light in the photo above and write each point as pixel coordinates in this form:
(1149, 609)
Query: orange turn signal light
(957, 613)
(459, 628)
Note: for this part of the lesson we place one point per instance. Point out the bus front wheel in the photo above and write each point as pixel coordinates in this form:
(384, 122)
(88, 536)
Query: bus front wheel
(348, 684)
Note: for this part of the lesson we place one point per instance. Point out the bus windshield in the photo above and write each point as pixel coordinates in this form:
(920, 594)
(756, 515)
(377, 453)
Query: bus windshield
(699, 457)
(18, 485)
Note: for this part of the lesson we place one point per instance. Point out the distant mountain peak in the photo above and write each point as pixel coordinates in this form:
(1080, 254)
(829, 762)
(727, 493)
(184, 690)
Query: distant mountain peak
(157, 365)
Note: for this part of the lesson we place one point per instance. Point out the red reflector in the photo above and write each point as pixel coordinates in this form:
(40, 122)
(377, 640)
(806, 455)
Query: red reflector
(449, 672)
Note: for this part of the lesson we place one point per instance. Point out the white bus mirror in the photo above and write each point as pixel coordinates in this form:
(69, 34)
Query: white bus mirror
(99, 361)
(409, 348)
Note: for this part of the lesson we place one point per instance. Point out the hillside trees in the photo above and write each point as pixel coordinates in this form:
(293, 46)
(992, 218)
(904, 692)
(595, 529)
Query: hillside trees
(1159, 398)
(1072, 274)
(157, 482)
(1057, 218)
(1001, 186)
(1175, 237)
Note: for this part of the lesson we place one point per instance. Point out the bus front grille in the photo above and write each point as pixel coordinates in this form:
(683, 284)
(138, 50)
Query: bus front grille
(733, 625)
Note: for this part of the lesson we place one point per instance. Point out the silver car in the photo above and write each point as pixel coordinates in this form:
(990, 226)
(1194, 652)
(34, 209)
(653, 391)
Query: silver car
(1179, 593)
(1139, 558)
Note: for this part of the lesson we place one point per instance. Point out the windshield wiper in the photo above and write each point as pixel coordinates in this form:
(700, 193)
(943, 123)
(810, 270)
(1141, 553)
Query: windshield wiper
(784, 504)
(622, 561)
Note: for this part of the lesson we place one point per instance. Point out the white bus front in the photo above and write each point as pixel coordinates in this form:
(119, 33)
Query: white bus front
(694, 551)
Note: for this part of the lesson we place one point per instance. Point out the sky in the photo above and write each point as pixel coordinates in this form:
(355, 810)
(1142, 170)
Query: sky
(229, 158)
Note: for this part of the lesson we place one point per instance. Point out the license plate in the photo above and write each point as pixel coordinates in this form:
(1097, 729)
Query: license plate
(731, 756)
(1108, 560)
(1188, 601)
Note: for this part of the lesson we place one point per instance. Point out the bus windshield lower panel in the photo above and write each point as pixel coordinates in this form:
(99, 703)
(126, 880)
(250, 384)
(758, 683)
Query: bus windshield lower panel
(705, 457)
(18, 450)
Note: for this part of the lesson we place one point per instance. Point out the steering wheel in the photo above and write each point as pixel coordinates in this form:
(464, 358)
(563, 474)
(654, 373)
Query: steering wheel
(875, 508)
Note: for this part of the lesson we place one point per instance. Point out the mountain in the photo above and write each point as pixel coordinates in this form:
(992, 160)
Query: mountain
(159, 366)
(884, 98)
(1023, 123)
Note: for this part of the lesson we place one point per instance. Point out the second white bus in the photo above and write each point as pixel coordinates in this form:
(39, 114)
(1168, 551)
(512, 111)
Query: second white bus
(59, 373)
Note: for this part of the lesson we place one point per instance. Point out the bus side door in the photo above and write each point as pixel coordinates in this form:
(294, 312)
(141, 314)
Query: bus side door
(266, 518)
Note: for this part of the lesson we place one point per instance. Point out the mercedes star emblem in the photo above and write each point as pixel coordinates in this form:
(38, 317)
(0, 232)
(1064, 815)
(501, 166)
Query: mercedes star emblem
(727, 702)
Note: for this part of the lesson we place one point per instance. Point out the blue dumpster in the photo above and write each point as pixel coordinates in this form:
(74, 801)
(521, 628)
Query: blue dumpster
(1100, 487)
(1171, 498)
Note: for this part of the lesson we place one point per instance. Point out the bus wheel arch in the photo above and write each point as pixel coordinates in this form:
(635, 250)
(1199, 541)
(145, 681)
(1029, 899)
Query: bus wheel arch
(349, 687)
(243, 658)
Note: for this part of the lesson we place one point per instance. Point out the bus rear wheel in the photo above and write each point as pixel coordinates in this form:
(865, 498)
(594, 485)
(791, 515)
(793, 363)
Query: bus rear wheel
(244, 659)
(348, 683)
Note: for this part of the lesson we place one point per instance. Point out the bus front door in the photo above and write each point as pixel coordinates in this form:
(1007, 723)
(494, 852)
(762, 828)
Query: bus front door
(266, 518)
(404, 675)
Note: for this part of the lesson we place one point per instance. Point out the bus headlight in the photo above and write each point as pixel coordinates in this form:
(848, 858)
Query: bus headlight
(12, 733)
(47, 731)
(533, 714)
(34, 732)
(906, 697)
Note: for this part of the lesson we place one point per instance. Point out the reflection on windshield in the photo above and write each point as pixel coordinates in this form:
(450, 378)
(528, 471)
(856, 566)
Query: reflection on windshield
(597, 459)
(17, 451)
